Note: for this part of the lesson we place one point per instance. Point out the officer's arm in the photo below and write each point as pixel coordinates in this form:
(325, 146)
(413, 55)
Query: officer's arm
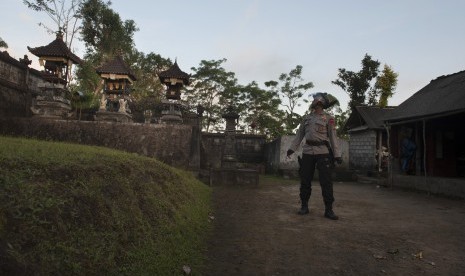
(333, 138)
(297, 140)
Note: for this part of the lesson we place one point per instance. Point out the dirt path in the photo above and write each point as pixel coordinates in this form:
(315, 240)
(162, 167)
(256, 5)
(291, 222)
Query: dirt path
(257, 232)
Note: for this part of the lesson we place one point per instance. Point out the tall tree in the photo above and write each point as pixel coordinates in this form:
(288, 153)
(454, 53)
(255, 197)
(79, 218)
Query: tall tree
(104, 32)
(146, 67)
(260, 110)
(292, 89)
(357, 84)
(341, 119)
(213, 88)
(386, 84)
(64, 13)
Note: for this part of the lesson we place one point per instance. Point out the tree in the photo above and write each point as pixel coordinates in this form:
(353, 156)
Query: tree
(147, 91)
(3, 44)
(341, 119)
(356, 84)
(146, 67)
(260, 109)
(292, 89)
(359, 86)
(386, 83)
(103, 31)
(64, 13)
(212, 87)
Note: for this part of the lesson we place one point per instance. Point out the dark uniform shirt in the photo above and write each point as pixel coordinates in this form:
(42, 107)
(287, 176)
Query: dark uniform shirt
(316, 129)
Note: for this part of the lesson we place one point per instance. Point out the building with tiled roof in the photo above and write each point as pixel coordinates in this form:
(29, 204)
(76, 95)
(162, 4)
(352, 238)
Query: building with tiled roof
(174, 73)
(116, 66)
(56, 49)
(368, 138)
(174, 78)
(56, 58)
(433, 119)
(117, 80)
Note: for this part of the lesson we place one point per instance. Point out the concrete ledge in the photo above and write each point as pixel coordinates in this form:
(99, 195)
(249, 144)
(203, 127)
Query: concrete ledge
(452, 187)
(233, 177)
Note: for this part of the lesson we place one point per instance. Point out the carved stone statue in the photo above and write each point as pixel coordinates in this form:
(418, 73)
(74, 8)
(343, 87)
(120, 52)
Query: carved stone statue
(122, 105)
(103, 102)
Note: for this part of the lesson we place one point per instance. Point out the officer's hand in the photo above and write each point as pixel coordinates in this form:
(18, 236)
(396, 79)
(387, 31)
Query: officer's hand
(289, 153)
(338, 160)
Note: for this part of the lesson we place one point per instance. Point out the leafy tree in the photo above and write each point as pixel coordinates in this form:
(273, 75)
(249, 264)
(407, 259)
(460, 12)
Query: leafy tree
(386, 84)
(147, 91)
(356, 84)
(104, 32)
(212, 87)
(3, 44)
(146, 67)
(292, 88)
(64, 13)
(359, 86)
(88, 80)
(260, 109)
(341, 119)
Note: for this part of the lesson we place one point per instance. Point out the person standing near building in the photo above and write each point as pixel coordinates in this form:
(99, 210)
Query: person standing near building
(320, 151)
(408, 149)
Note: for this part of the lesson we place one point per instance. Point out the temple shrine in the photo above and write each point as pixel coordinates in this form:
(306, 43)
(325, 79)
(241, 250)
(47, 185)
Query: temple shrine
(57, 60)
(174, 79)
(229, 156)
(117, 80)
(229, 173)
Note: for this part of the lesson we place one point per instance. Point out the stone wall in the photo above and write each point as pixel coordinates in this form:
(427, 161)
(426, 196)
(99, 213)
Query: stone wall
(362, 150)
(17, 85)
(176, 145)
(249, 148)
(181, 146)
(278, 163)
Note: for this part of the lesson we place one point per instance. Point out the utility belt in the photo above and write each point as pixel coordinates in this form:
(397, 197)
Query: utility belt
(316, 143)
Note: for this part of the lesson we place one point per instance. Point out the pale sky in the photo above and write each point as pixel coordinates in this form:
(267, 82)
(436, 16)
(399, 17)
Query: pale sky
(419, 39)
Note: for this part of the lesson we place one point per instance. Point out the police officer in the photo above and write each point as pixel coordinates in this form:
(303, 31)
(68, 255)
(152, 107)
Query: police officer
(318, 130)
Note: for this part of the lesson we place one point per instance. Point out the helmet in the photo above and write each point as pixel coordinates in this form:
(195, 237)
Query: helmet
(326, 100)
(318, 98)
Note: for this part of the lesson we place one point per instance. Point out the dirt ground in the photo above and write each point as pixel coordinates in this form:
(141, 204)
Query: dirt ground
(381, 231)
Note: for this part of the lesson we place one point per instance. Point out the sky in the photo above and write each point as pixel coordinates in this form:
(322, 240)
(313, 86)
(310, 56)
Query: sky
(420, 39)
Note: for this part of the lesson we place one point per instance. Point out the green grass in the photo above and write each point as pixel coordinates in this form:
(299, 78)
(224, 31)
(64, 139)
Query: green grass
(68, 209)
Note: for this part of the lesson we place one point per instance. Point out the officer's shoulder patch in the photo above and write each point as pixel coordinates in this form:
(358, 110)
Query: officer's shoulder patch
(332, 121)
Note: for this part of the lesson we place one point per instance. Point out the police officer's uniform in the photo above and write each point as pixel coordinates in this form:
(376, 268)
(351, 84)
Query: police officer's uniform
(318, 133)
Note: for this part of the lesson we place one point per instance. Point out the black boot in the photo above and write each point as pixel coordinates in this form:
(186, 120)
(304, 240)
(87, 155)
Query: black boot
(330, 214)
(303, 210)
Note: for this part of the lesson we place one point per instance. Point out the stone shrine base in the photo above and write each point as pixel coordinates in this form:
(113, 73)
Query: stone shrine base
(53, 109)
(109, 116)
(233, 177)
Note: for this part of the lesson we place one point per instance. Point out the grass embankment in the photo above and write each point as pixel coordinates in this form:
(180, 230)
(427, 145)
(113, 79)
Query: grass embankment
(68, 209)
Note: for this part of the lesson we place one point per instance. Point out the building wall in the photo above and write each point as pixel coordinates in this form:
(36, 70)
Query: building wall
(362, 150)
(17, 85)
